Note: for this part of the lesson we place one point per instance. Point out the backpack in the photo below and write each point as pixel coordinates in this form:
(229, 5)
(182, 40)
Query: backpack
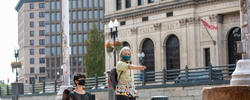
(113, 80)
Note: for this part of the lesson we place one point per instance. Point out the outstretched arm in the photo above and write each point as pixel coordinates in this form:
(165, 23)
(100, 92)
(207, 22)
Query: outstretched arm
(137, 67)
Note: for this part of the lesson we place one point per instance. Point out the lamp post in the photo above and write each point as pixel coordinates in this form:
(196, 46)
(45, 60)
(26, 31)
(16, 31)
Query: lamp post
(141, 55)
(16, 53)
(114, 35)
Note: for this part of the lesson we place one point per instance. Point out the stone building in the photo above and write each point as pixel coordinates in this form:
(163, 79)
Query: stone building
(171, 33)
(31, 40)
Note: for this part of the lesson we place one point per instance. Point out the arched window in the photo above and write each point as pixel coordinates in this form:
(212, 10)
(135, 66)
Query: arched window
(233, 37)
(172, 56)
(149, 59)
(125, 44)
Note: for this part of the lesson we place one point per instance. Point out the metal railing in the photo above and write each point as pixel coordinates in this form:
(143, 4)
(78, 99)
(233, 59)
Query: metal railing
(188, 76)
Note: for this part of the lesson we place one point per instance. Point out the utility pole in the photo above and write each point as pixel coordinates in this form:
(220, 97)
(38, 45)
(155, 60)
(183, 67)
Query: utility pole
(65, 49)
(241, 75)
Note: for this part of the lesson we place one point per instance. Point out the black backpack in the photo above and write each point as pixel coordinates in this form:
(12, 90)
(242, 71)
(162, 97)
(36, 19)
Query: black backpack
(113, 80)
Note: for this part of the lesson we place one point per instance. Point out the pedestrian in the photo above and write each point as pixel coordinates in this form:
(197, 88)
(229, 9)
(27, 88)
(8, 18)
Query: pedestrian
(125, 89)
(79, 93)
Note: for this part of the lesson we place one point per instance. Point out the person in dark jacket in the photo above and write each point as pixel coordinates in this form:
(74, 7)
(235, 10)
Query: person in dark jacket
(79, 93)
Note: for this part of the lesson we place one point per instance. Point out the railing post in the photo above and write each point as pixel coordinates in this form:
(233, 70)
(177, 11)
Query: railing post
(33, 87)
(164, 76)
(143, 78)
(43, 86)
(210, 72)
(55, 84)
(186, 72)
(96, 82)
(7, 90)
(0, 91)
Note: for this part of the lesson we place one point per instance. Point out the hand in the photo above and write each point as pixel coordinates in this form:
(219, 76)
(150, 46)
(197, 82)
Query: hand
(143, 67)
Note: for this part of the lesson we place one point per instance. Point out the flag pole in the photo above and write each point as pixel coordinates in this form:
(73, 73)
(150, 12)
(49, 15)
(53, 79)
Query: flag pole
(214, 42)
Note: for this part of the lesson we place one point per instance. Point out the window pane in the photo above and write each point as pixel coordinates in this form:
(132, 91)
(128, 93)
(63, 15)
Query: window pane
(80, 50)
(74, 27)
(74, 15)
(58, 39)
(41, 42)
(85, 15)
(47, 51)
(58, 28)
(101, 26)
(52, 27)
(31, 15)
(73, 3)
(58, 16)
(96, 15)
(53, 39)
(74, 38)
(58, 53)
(47, 17)
(42, 70)
(47, 6)
(85, 27)
(58, 5)
(101, 3)
(41, 5)
(31, 42)
(101, 14)
(47, 28)
(53, 51)
(31, 6)
(53, 16)
(84, 3)
(95, 3)
(41, 23)
(31, 24)
(80, 38)
(31, 33)
(74, 50)
(79, 4)
(80, 61)
(42, 60)
(90, 3)
(32, 60)
(85, 49)
(79, 27)
(31, 51)
(41, 51)
(47, 40)
(53, 5)
(90, 14)
(79, 15)
(90, 25)
(41, 32)
(85, 37)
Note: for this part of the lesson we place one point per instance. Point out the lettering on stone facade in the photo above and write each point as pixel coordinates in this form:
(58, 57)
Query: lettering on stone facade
(190, 20)
(213, 18)
(124, 33)
(170, 26)
(134, 30)
(146, 29)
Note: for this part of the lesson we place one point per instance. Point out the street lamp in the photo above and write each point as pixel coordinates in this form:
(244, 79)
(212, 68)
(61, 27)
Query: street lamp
(114, 35)
(16, 53)
(141, 55)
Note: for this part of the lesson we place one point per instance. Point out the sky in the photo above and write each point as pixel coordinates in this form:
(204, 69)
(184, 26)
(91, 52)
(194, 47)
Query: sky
(8, 38)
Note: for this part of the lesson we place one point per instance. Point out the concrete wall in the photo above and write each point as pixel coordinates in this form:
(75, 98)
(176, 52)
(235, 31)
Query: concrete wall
(174, 93)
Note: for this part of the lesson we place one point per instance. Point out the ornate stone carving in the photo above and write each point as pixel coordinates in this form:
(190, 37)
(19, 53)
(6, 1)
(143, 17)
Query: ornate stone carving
(182, 22)
(157, 26)
(213, 18)
(134, 30)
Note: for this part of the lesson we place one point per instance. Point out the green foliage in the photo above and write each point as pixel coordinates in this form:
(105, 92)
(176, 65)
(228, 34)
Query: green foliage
(94, 59)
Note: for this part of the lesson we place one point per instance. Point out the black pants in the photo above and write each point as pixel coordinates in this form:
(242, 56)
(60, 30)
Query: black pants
(122, 97)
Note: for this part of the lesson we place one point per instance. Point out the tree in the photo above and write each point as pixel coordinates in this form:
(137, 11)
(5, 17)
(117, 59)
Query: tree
(94, 59)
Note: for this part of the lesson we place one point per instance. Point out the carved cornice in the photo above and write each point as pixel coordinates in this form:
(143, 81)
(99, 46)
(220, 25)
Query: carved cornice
(154, 9)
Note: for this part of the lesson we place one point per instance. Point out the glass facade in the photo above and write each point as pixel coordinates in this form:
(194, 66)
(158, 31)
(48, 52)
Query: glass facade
(83, 14)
